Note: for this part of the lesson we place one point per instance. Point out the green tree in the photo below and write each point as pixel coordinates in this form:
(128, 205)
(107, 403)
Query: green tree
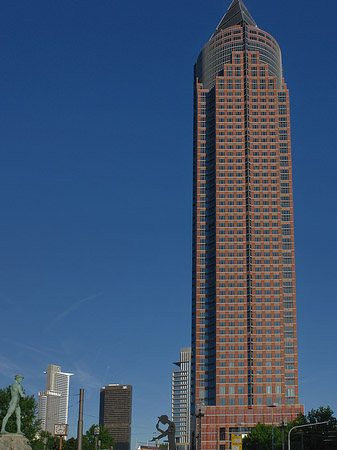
(29, 424)
(318, 437)
(321, 414)
(104, 436)
(321, 437)
(70, 444)
(52, 442)
(260, 438)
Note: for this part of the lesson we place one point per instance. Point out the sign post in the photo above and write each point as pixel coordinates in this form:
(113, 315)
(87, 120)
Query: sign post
(236, 441)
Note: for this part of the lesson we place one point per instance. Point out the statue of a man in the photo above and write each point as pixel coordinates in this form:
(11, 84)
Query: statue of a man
(169, 432)
(16, 394)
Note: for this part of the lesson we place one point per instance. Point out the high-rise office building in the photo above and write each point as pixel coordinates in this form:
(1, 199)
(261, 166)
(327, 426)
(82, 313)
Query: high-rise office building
(181, 396)
(53, 402)
(115, 413)
(244, 342)
(48, 410)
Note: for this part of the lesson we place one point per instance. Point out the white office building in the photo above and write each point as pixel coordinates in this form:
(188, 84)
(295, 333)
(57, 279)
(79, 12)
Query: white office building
(53, 402)
(181, 397)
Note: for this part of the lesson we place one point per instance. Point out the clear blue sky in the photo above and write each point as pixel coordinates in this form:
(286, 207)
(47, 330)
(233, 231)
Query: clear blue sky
(96, 191)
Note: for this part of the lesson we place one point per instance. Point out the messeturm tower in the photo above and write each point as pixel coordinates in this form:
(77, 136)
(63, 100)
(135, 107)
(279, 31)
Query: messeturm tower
(244, 341)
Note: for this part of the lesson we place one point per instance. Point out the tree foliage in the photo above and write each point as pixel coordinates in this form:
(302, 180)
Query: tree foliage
(70, 444)
(317, 437)
(52, 442)
(260, 438)
(29, 423)
(104, 436)
(321, 414)
(322, 437)
(88, 443)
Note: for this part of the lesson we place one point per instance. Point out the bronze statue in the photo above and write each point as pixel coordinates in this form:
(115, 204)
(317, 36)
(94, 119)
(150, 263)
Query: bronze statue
(16, 394)
(169, 432)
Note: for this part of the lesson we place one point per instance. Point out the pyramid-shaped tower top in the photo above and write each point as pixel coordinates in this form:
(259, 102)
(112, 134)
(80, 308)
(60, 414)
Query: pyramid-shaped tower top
(237, 14)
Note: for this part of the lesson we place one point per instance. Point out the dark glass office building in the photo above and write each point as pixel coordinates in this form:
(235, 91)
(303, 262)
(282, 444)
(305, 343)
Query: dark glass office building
(115, 413)
(244, 341)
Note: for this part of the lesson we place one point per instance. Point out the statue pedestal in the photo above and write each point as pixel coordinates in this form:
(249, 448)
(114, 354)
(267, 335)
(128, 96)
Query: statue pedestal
(13, 441)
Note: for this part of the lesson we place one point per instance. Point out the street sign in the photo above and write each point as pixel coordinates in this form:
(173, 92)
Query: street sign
(236, 441)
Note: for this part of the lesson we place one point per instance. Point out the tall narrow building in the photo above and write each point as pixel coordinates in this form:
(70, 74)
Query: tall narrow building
(53, 402)
(244, 342)
(115, 413)
(181, 397)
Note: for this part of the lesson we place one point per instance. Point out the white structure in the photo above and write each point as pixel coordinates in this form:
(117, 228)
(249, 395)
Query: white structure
(49, 410)
(181, 396)
(53, 402)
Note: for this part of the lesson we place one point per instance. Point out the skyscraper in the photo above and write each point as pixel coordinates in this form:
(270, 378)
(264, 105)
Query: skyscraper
(181, 396)
(115, 413)
(53, 402)
(244, 342)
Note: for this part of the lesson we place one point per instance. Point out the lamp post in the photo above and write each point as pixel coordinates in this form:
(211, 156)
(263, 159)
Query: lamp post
(199, 414)
(283, 424)
(303, 426)
(273, 405)
(96, 432)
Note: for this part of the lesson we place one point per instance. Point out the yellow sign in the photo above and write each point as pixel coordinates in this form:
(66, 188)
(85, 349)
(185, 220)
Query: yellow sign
(236, 442)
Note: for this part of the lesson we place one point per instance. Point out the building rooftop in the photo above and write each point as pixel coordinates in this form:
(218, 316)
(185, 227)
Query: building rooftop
(237, 14)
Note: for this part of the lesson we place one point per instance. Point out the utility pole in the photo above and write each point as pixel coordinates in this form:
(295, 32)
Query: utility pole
(80, 422)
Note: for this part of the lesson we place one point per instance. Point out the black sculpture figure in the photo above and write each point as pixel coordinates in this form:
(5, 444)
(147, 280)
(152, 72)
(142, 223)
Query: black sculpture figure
(169, 432)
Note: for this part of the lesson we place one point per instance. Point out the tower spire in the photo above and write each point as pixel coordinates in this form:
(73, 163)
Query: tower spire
(237, 14)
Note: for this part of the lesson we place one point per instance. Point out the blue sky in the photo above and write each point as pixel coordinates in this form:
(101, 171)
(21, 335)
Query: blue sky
(96, 190)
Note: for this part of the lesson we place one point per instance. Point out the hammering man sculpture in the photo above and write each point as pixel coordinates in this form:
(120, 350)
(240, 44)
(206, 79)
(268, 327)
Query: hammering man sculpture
(169, 432)
(16, 394)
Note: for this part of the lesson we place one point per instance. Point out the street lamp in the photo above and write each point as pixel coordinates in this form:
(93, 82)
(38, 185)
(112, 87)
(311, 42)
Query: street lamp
(199, 414)
(283, 424)
(273, 405)
(302, 426)
(96, 432)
